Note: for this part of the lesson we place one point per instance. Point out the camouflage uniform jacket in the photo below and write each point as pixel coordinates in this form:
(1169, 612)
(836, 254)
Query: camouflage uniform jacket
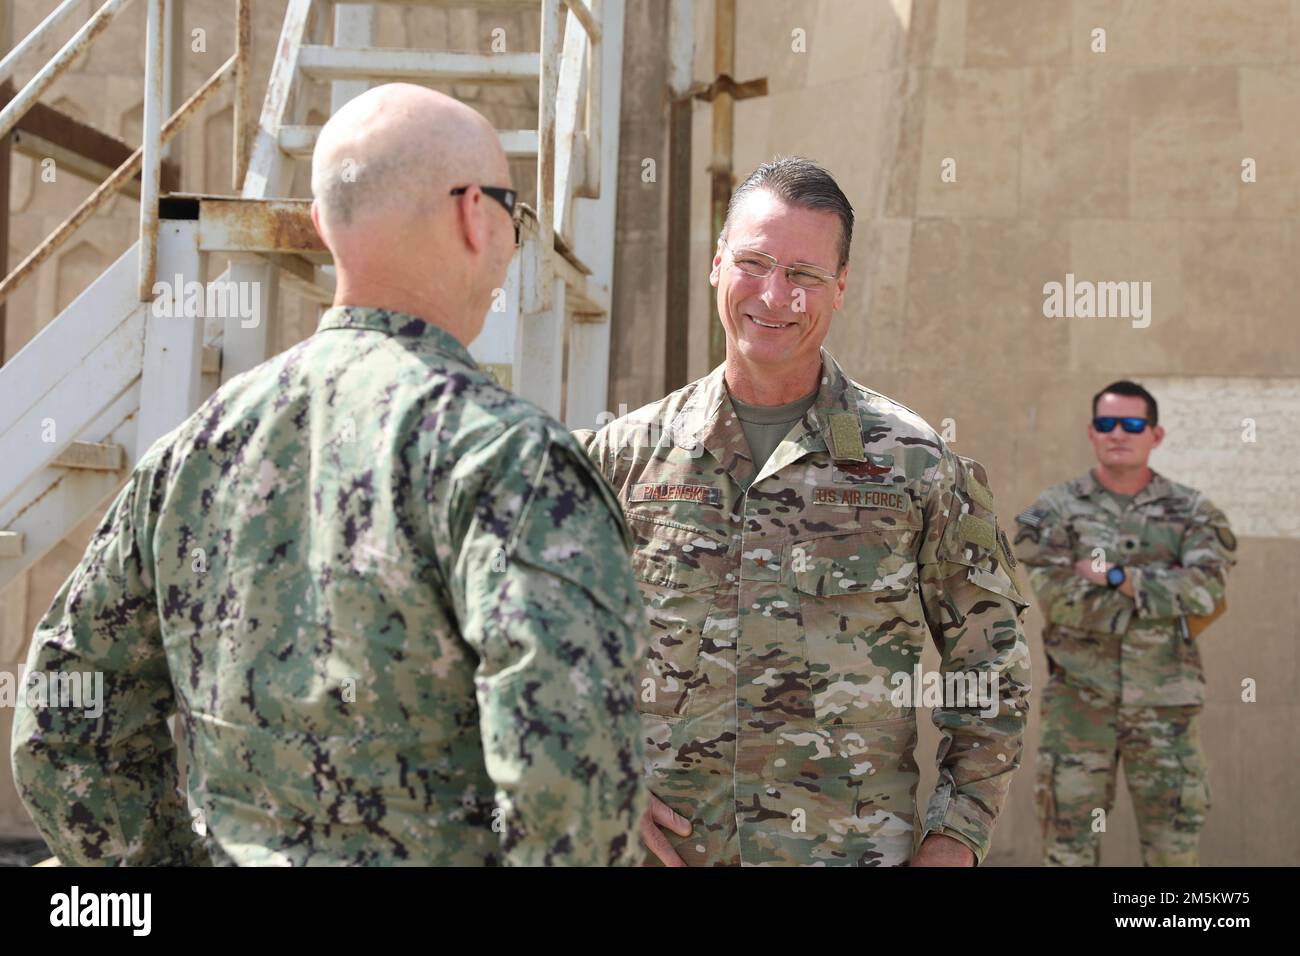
(1177, 549)
(779, 616)
(393, 607)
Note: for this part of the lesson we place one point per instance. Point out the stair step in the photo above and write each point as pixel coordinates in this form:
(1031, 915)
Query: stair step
(299, 141)
(380, 63)
(11, 544)
(92, 456)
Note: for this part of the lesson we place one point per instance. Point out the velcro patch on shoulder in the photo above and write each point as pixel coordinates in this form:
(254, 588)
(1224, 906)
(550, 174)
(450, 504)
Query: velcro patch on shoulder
(846, 436)
(979, 532)
(979, 493)
(1032, 517)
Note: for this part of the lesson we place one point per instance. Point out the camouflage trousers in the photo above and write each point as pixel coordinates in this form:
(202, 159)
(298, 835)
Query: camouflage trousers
(1085, 735)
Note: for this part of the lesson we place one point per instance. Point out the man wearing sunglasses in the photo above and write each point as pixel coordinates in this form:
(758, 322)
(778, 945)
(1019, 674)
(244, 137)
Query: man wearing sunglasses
(1129, 567)
(390, 600)
(800, 538)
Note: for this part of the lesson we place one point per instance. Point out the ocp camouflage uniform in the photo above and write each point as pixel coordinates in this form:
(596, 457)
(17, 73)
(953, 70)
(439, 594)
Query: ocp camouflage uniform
(1125, 676)
(781, 614)
(393, 607)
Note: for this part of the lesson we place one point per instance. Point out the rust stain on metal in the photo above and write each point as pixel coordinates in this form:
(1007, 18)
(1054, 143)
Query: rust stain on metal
(61, 62)
(280, 225)
(111, 186)
(243, 44)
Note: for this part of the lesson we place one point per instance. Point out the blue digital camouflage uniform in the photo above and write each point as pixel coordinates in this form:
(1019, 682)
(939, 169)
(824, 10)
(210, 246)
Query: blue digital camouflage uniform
(784, 616)
(1125, 679)
(391, 604)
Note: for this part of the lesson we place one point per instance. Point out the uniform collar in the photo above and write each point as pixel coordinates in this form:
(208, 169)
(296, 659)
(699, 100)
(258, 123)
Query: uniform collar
(396, 324)
(709, 419)
(1158, 487)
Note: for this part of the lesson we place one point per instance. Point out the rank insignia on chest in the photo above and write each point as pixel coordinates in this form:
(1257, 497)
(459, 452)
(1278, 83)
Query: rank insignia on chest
(667, 491)
(839, 497)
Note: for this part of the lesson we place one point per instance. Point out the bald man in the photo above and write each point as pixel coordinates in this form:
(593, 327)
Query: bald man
(390, 601)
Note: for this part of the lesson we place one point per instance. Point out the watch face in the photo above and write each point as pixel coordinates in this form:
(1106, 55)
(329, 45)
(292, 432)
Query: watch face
(1115, 577)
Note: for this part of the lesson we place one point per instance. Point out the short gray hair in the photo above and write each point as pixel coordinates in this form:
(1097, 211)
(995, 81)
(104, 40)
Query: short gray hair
(800, 182)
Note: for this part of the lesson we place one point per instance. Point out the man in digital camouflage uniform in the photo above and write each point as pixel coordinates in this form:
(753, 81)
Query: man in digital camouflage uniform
(390, 601)
(1128, 567)
(798, 539)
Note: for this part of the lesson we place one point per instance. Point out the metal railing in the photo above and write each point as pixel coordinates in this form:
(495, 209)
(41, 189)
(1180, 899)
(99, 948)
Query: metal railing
(147, 159)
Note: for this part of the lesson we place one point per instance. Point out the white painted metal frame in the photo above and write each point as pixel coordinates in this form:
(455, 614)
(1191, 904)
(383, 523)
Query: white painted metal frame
(151, 167)
(38, 38)
(92, 349)
(146, 369)
(68, 54)
(269, 173)
(574, 158)
(172, 365)
(587, 386)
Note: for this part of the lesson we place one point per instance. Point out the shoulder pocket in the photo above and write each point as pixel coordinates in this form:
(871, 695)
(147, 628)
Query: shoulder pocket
(973, 539)
(572, 527)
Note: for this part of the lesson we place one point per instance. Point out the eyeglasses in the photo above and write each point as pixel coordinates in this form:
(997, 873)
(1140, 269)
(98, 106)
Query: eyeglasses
(506, 197)
(760, 265)
(1107, 423)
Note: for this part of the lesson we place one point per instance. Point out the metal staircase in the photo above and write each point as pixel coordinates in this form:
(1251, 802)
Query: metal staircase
(112, 373)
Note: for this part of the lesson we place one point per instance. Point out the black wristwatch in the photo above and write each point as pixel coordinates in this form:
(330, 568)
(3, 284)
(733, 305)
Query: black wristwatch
(1115, 577)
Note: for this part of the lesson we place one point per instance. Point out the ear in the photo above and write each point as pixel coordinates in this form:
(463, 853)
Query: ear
(839, 288)
(1158, 433)
(469, 213)
(315, 221)
(715, 275)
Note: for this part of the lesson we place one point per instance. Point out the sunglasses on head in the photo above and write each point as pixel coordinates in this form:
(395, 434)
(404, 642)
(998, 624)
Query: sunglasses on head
(1107, 423)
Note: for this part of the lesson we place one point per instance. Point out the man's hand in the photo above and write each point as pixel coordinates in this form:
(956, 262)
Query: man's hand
(1083, 568)
(662, 815)
(940, 850)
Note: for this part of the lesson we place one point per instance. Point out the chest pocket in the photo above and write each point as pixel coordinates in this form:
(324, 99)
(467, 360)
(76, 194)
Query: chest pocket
(861, 619)
(681, 573)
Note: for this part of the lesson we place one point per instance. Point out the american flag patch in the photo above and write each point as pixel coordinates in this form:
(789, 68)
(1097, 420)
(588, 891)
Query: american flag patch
(1032, 517)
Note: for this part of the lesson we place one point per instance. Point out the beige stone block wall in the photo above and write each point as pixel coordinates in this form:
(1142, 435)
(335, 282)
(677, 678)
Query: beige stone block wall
(1115, 166)
(1123, 165)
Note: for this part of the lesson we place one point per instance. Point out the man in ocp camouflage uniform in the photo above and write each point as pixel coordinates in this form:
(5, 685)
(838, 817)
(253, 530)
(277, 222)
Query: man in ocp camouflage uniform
(1129, 567)
(390, 601)
(799, 538)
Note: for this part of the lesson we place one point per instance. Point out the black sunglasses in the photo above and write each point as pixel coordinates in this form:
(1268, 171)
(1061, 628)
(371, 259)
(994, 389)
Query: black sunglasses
(1107, 423)
(506, 197)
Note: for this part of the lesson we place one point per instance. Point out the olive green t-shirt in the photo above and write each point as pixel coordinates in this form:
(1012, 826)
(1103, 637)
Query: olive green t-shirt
(766, 425)
(1122, 500)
